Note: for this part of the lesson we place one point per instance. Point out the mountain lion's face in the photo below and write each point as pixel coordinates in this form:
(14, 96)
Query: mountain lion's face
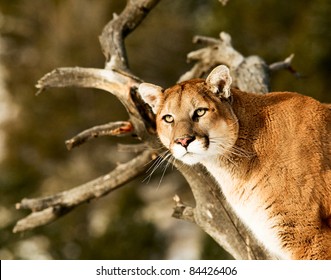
(194, 119)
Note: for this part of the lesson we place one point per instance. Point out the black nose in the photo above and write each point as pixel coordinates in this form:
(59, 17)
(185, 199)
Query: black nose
(185, 140)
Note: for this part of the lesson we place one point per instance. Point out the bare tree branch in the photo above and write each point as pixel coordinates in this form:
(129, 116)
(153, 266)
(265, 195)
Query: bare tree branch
(280, 65)
(40, 218)
(114, 82)
(250, 73)
(119, 83)
(110, 129)
(114, 33)
(47, 209)
(286, 64)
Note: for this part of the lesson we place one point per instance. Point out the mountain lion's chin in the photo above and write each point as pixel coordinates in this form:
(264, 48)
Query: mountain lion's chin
(189, 159)
(186, 156)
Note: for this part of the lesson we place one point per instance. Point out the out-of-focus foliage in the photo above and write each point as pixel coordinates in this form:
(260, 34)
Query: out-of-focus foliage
(38, 36)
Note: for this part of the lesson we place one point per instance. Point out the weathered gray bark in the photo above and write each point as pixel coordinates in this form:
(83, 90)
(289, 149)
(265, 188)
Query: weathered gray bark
(211, 211)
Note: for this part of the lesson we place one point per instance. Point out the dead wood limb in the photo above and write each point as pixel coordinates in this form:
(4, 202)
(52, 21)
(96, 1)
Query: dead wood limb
(216, 51)
(286, 64)
(37, 219)
(47, 209)
(114, 33)
(119, 83)
(250, 73)
(120, 128)
(280, 65)
(111, 81)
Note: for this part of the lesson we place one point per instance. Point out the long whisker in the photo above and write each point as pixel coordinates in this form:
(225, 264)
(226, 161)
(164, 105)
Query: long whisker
(164, 171)
(235, 150)
(159, 158)
(223, 152)
(158, 162)
(229, 151)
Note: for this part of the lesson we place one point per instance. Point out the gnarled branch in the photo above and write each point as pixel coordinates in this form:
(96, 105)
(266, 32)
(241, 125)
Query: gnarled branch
(250, 73)
(118, 83)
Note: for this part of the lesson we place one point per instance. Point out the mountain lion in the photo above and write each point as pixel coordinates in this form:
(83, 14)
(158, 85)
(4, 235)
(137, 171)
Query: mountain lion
(270, 154)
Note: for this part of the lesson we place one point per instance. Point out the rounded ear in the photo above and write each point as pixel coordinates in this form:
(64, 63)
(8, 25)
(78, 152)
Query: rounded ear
(151, 94)
(220, 81)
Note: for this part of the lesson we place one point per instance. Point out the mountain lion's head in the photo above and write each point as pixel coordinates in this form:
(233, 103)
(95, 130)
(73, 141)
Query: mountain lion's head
(194, 119)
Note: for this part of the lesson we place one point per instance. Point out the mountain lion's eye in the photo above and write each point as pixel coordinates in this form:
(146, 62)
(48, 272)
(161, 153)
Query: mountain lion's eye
(199, 113)
(168, 118)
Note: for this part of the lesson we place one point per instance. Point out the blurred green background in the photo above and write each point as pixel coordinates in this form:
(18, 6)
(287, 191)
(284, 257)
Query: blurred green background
(134, 222)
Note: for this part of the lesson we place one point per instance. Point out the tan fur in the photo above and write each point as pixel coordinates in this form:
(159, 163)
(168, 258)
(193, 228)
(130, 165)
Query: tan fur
(270, 154)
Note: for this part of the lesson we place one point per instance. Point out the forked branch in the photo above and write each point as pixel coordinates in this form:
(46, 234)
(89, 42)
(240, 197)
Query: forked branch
(121, 84)
(114, 33)
(250, 73)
